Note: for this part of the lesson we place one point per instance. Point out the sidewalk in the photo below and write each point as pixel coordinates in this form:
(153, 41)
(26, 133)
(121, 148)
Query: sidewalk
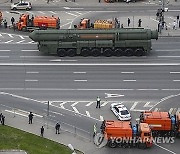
(79, 143)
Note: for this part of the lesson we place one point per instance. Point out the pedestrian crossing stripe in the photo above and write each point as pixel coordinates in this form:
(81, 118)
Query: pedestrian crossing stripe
(101, 118)
(90, 103)
(105, 103)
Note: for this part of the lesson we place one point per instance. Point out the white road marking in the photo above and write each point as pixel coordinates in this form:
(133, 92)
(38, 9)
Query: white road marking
(56, 113)
(80, 80)
(71, 14)
(74, 104)
(57, 60)
(4, 56)
(129, 80)
(90, 103)
(62, 105)
(75, 109)
(7, 12)
(10, 35)
(24, 115)
(1, 35)
(113, 95)
(21, 97)
(171, 89)
(21, 37)
(41, 12)
(168, 56)
(66, 24)
(32, 72)
(4, 50)
(8, 41)
(30, 50)
(164, 148)
(66, 8)
(20, 41)
(79, 72)
(147, 104)
(52, 12)
(167, 50)
(31, 80)
(101, 118)
(176, 80)
(78, 12)
(32, 42)
(147, 89)
(30, 12)
(105, 103)
(133, 107)
(156, 109)
(32, 56)
(174, 72)
(88, 114)
(127, 72)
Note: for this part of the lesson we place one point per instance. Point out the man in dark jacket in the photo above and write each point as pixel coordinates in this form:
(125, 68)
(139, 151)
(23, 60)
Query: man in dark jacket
(30, 117)
(57, 127)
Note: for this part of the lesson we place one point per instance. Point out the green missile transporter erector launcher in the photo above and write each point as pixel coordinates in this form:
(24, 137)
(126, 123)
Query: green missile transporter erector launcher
(93, 42)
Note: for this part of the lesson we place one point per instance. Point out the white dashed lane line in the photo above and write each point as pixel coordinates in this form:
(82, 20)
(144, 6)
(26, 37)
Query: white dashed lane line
(79, 72)
(174, 72)
(4, 50)
(32, 72)
(80, 80)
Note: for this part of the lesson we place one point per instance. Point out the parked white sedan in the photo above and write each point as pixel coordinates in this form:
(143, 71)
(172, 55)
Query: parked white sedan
(120, 111)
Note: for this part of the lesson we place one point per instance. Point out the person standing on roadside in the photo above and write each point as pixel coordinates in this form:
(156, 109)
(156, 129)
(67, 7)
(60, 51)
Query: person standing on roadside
(12, 20)
(42, 131)
(3, 119)
(57, 127)
(177, 19)
(30, 117)
(129, 21)
(139, 22)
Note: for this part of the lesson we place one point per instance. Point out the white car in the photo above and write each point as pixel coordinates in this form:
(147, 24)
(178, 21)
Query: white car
(120, 111)
(21, 6)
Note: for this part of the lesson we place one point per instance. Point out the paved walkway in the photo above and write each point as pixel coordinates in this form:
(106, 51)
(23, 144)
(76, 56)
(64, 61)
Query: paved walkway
(85, 145)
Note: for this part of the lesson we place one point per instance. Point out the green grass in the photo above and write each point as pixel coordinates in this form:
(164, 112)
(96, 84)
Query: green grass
(11, 138)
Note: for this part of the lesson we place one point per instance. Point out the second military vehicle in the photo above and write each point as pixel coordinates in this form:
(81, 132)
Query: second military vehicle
(95, 42)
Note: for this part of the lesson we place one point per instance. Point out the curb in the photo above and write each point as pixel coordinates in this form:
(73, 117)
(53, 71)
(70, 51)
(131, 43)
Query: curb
(13, 150)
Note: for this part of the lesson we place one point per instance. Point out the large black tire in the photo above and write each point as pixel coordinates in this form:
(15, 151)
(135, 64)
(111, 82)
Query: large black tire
(108, 52)
(14, 8)
(129, 52)
(112, 144)
(85, 52)
(118, 52)
(61, 52)
(71, 52)
(96, 52)
(139, 52)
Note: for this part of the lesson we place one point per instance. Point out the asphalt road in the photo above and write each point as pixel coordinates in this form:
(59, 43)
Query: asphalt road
(29, 79)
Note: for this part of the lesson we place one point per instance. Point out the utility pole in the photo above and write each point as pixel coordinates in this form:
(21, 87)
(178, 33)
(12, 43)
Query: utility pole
(47, 114)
